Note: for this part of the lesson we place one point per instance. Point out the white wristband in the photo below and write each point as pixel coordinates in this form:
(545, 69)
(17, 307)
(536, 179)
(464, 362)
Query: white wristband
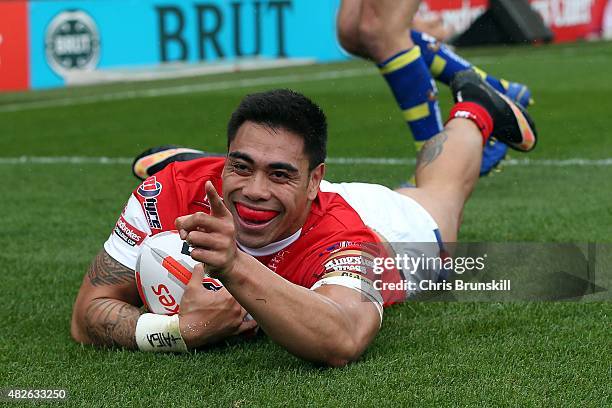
(159, 333)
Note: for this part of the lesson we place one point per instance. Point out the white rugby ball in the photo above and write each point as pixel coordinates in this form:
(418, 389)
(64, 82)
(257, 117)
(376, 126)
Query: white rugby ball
(163, 270)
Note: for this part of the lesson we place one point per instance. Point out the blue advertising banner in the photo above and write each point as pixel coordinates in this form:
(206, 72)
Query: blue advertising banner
(84, 35)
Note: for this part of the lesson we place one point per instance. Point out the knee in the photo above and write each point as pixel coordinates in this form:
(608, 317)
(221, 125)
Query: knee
(381, 33)
(361, 29)
(377, 30)
(371, 32)
(348, 35)
(363, 37)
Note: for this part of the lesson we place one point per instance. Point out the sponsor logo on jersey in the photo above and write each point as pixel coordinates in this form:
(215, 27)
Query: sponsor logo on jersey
(150, 208)
(350, 260)
(128, 233)
(150, 188)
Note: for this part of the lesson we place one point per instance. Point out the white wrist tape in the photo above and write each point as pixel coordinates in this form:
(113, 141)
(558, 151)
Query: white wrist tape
(159, 333)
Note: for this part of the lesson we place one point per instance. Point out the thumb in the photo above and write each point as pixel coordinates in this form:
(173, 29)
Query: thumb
(197, 275)
(217, 207)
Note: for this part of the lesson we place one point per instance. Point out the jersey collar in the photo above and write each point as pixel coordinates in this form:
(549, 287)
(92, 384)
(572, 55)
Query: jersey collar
(272, 248)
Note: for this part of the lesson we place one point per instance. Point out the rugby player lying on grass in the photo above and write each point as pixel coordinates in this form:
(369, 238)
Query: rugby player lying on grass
(275, 238)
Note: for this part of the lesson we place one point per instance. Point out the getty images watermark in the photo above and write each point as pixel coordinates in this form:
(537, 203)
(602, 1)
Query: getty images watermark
(415, 267)
(496, 272)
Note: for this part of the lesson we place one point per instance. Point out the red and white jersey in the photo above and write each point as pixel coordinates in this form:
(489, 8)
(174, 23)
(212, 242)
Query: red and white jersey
(334, 246)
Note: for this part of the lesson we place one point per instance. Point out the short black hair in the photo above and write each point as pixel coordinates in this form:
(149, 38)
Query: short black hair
(289, 110)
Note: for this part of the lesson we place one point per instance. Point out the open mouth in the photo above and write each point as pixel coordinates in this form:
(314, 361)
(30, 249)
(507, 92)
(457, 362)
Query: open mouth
(254, 216)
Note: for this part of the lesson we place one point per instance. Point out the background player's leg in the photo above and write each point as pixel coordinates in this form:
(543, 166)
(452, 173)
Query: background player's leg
(376, 30)
(444, 64)
(447, 171)
(415, 92)
(449, 163)
(381, 28)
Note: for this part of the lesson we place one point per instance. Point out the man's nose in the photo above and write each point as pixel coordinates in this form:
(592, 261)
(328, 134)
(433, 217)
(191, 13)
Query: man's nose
(257, 187)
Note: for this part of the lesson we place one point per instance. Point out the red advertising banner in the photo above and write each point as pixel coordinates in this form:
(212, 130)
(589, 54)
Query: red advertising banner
(13, 45)
(570, 20)
(457, 15)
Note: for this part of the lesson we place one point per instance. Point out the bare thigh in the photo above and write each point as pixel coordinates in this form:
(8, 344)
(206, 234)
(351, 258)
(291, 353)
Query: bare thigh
(442, 209)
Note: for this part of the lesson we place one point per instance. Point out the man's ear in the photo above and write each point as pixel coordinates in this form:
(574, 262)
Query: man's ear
(316, 175)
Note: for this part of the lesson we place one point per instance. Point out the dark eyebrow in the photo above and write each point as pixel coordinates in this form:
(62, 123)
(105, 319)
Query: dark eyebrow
(275, 165)
(283, 166)
(241, 156)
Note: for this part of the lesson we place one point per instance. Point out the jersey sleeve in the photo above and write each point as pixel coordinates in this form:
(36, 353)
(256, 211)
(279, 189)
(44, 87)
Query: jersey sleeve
(151, 209)
(351, 268)
(355, 264)
(129, 232)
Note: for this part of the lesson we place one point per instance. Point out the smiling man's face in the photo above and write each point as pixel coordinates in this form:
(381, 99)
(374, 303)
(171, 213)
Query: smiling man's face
(267, 185)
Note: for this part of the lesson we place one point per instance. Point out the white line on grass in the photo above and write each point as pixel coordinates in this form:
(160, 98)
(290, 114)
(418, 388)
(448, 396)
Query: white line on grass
(188, 89)
(383, 161)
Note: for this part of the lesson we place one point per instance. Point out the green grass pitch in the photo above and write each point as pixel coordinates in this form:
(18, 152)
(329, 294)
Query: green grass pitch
(55, 217)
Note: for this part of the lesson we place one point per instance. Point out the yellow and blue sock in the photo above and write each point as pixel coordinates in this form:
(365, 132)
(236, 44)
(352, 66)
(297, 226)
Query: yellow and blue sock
(415, 92)
(444, 63)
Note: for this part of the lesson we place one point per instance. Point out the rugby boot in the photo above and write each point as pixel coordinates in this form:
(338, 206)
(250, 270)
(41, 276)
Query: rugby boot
(495, 152)
(156, 158)
(511, 123)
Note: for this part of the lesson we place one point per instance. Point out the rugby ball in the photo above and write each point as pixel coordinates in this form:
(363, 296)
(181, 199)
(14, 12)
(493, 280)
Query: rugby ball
(163, 269)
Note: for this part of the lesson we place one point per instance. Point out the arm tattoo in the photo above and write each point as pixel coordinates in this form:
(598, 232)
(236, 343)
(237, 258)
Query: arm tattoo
(104, 270)
(112, 322)
(431, 149)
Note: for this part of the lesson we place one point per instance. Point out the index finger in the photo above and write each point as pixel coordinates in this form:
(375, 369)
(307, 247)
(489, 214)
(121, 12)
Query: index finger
(216, 202)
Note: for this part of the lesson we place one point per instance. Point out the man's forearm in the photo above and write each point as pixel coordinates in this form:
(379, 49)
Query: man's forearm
(105, 311)
(111, 322)
(306, 323)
